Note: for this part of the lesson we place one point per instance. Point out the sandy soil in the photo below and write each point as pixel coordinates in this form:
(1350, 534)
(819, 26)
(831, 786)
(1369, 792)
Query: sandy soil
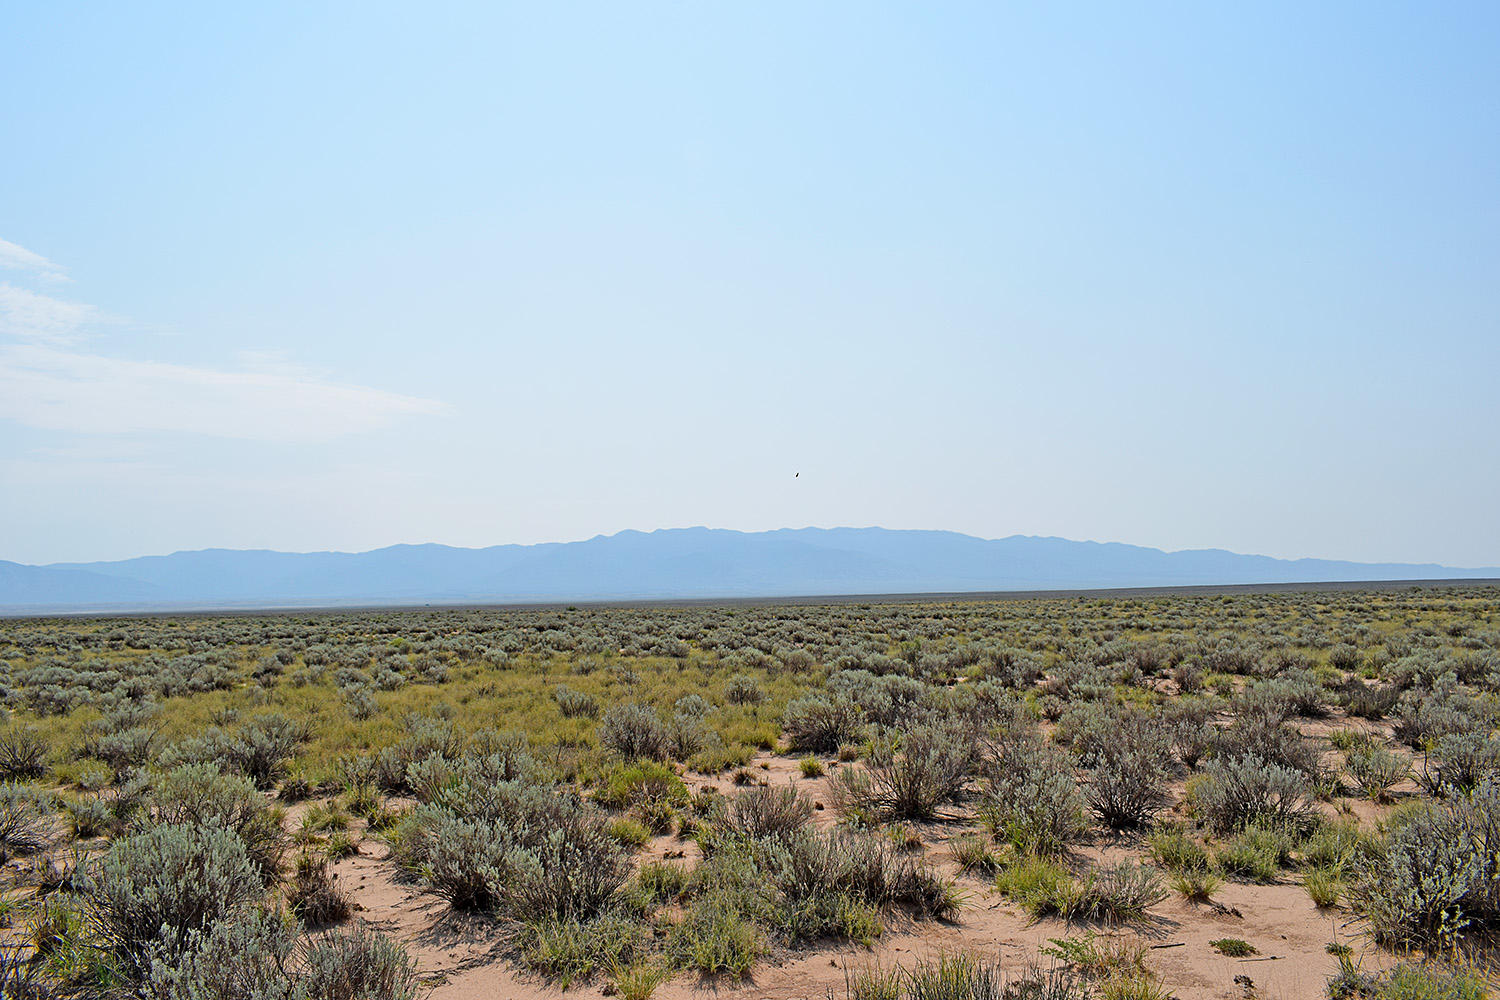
(461, 956)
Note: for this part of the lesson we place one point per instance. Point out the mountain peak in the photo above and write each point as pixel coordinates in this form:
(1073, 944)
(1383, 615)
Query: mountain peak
(690, 562)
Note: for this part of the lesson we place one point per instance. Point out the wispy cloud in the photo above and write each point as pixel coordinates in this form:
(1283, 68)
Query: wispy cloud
(48, 381)
(53, 389)
(14, 257)
(32, 316)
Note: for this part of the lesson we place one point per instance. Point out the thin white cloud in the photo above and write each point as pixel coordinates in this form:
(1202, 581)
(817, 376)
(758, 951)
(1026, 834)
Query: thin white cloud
(14, 257)
(31, 316)
(53, 389)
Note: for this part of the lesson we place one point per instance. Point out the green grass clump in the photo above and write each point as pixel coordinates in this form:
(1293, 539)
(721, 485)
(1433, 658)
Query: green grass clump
(629, 832)
(1040, 886)
(1255, 854)
(567, 950)
(1325, 886)
(717, 939)
(1234, 947)
(1120, 893)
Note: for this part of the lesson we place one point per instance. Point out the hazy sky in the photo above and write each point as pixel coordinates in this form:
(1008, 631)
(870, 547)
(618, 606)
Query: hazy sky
(310, 276)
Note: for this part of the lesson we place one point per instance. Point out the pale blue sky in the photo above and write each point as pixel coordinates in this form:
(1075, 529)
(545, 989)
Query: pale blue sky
(311, 276)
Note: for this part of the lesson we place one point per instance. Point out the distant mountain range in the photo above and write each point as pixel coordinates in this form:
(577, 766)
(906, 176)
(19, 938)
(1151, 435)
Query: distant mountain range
(672, 563)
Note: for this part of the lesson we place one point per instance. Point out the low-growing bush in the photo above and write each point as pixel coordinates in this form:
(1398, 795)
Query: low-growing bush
(909, 778)
(24, 823)
(1458, 762)
(768, 812)
(820, 723)
(1238, 791)
(743, 690)
(1127, 753)
(359, 965)
(1031, 798)
(575, 704)
(23, 753)
(1437, 876)
(155, 890)
(1376, 769)
(634, 732)
(1408, 981)
(197, 794)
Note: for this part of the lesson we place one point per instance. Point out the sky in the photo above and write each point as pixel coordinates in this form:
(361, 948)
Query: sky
(316, 276)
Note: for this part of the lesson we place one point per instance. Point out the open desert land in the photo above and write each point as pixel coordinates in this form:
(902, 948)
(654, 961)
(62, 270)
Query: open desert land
(1234, 795)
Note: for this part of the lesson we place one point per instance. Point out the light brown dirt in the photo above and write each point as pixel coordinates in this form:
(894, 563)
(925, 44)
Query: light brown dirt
(462, 956)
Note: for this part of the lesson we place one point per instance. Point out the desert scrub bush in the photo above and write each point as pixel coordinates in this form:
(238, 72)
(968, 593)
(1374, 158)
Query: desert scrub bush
(1423, 717)
(23, 753)
(1458, 762)
(1408, 981)
(742, 689)
(1238, 791)
(807, 885)
(575, 704)
(359, 965)
(257, 955)
(634, 732)
(152, 891)
(1375, 769)
(122, 749)
(263, 746)
(1368, 701)
(1188, 726)
(199, 795)
(767, 812)
(1279, 744)
(1030, 797)
(1128, 771)
(909, 777)
(314, 894)
(1437, 876)
(688, 735)
(249, 954)
(820, 723)
(25, 823)
(424, 737)
(810, 767)
(527, 852)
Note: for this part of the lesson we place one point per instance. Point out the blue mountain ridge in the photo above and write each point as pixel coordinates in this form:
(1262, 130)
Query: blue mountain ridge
(668, 563)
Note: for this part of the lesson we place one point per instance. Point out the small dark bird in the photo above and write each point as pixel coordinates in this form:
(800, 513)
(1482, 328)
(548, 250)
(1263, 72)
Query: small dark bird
(796, 475)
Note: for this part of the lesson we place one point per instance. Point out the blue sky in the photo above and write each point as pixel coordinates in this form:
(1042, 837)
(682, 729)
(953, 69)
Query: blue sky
(311, 276)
